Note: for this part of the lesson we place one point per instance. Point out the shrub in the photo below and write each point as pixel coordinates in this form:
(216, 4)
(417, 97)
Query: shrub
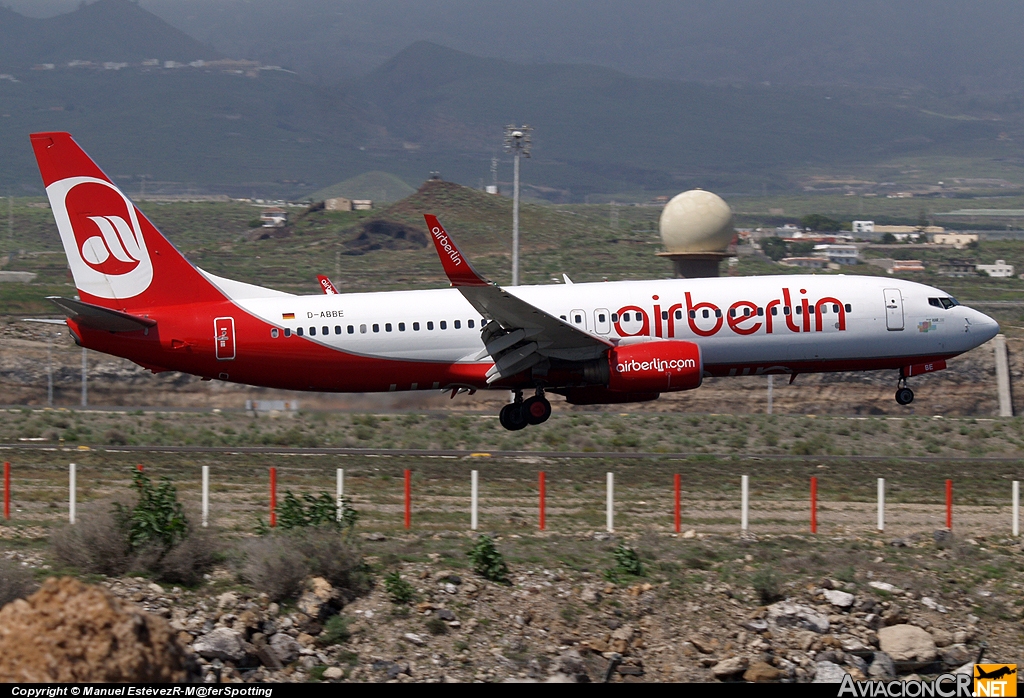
(277, 564)
(767, 586)
(313, 511)
(436, 626)
(627, 561)
(335, 631)
(15, 582)
(150, 534)
(487, 561)
(398, 589)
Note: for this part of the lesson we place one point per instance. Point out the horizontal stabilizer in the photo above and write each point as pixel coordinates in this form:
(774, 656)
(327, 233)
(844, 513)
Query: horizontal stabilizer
(98, 318)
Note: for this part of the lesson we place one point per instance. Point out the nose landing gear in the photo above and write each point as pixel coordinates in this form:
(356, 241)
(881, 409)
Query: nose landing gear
(520, 413)
(904, 395)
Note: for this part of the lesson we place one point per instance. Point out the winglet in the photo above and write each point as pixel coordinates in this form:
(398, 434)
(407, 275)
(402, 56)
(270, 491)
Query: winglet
(326, 285)
(455, 264)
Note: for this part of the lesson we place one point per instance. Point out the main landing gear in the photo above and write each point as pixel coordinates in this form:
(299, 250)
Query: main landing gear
(520, 413)
(904, 395)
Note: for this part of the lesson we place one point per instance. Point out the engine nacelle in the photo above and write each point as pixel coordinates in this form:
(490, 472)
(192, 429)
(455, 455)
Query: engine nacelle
(655, 367)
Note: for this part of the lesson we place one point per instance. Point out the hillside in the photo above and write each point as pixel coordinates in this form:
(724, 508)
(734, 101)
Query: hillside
(107, 30)
(377, 186)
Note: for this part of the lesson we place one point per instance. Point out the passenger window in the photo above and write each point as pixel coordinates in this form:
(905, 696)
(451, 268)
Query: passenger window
(707, 313)
(600, 317)
(824, 310)
(273, 333)
(732, 312)
(458, 324)
(298, 331)
(664, 315)
(625, 317)
(351, 329)
(679, 315)
(577, 319)
(362, 329)
(443, 325)
(469, 324)
(387, 326)
(376, 327)
(615, 317)
(775, 310)
(430, 325)
(325, 330)
(312, 332)
(337, 329)
(287, 332)
(760, 312)
(799, 310)
(835, 308)
(693, 314)
(746, 312)
(786, 310)
(848, 308)
(718, 313)
(415, 327)
(401, 327)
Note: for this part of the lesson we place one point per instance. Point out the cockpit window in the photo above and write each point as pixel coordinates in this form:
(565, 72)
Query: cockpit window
(945, 302)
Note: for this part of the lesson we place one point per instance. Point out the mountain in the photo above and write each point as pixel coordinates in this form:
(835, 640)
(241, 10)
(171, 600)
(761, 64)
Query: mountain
(105, 31)
(377, 186)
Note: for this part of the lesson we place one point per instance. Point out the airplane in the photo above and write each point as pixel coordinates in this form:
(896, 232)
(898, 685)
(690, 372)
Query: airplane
(593, 343)
(999, 673)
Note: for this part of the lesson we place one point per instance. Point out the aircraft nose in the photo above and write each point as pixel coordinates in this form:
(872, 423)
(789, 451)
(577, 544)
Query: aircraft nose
(984, 325)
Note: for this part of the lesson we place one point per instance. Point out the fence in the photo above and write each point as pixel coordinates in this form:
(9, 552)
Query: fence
(541, 503)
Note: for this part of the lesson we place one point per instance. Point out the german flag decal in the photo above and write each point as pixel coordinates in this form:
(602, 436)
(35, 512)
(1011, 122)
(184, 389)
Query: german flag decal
(287, 316)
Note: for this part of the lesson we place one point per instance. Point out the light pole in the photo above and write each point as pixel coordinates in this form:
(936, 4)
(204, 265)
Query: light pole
(517, 142)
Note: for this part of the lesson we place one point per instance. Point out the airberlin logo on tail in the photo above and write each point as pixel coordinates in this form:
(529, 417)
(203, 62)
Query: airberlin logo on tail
(446, 245)
(102, 237)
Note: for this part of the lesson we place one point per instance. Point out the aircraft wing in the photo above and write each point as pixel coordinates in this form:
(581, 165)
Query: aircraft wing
(519, 335)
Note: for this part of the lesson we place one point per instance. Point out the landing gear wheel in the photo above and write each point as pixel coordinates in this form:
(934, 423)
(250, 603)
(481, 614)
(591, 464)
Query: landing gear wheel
(513, 417)
(537, 409)
(904, 396)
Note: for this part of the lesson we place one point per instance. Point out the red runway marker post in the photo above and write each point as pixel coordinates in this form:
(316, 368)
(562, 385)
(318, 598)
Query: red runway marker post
(678, 512)
(814, 505)
(542, 499)
(949, 504)
(7, 491)
(408, 498)
(273, 497)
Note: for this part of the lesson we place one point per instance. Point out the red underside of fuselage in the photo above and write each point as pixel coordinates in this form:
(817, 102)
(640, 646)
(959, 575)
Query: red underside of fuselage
(184, 341)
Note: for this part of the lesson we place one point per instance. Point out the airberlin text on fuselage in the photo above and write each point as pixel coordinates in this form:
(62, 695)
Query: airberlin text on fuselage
(785, 314)
(446, 245)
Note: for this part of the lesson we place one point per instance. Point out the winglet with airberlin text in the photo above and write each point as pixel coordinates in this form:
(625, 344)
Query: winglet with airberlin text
(455, 264)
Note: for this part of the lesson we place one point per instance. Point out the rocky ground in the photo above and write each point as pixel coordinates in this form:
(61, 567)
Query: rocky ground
(708, 608)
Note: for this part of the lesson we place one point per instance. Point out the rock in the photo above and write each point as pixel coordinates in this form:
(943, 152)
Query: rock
(450, 588)
(933, 604)
(955, 655)
(755, 625)
(943, 638)
(972, 619)
(374, 536)
(156, 588)
(828, 672)
(839, 599)
(268, 657)
(907, 644)
(220, 643)
(729, 668)
(885, 586)
(333, 673)
(961, 637)
(285, 647)
(227, 600)
(590, 595)
(762, 672)
(415, 639)
(72, 632)
(788, 614)
(882, 667)
(943, 537)
(305, 639)
(316, 600)
(445, 614)
(690, 534)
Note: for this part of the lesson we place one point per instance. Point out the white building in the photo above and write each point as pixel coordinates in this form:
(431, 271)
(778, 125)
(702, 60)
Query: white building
(863, 226)
(999, 270)
(838, 254)
(957, 240)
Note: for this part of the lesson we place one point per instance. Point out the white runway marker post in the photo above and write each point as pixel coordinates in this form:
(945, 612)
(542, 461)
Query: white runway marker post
(881, 504)
(339, 494)
(744, 503)
(206, 496)
(71, 494)
(474, 499)
(1016, 508)
(610, 503)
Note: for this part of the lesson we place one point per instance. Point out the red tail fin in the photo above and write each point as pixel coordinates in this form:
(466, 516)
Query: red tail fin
(326, 285)
(118, 258)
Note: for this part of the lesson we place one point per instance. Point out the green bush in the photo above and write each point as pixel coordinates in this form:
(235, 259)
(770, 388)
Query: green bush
(313, 511)
(398, 589)
(767, 586)
(436, 626)
(627, 562)
(487, 561)
(335, 631)
(156, 518)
